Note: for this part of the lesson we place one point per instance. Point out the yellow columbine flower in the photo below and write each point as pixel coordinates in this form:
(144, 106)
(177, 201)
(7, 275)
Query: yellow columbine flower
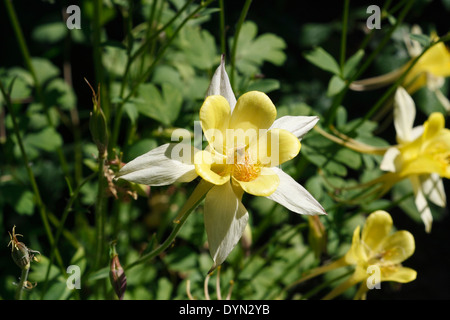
(422, 155)
(245, 147)
(376, 255)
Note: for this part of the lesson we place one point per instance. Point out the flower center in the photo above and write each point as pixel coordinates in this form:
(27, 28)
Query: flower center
(243, 167)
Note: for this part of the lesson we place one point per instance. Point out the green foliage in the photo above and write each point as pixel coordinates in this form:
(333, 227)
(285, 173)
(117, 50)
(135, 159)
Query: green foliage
(150, 64)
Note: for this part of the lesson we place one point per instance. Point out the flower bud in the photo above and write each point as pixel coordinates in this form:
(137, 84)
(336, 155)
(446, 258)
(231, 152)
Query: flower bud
(117, 274)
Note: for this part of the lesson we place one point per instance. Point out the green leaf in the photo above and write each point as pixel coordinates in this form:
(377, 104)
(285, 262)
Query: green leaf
(162, 105)
(199, 47)
(50, 32)
(322, 59)
(253, 51)
(45, 70)
(264, 85)
(335, 86)
(59, 93)
(352, 63)
(48, 140)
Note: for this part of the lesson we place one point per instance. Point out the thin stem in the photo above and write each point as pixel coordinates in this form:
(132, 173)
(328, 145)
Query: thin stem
(344, 34)
(148, 72)
(60, 227)
(337, 102)
(34, 186)
(100, 212)
(235, 40)
(27, 59)
(222, 27)
(179, 223)
(23, 280)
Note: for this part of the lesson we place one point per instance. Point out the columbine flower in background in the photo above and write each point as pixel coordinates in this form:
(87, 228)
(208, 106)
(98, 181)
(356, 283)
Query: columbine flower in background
(376, 255)
(430, 70)
(422, 155)
(243, 158)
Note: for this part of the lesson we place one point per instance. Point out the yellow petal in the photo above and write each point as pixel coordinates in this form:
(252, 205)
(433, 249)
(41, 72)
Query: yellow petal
(435, 61)
(264, 185)
(426, 164)
(399, 274)
(433, 126)
(212, 172)
(254, 110)
(397, 247)
(275, 147)
(356, 252)
(215, 115)
(377, 227)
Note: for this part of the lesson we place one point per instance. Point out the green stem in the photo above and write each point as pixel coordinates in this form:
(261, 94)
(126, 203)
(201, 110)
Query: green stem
(344, 35)
(235, 40)
(97, 54)
(179, 223)
(23, 280)
(60, 227)
(40, 204)
(145, 75)
(392, 88)
(100, 213)
(222, 27)
(337, 102)
(27, 59)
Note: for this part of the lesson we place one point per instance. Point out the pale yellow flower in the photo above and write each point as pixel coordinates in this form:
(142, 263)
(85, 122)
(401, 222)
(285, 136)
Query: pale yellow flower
(246, 145)
(376, 255)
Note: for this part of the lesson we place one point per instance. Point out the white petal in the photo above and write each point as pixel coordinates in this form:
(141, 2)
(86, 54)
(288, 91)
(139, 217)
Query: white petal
(225, 220)
(421, 203)
(388, 162)
(443, 100)
(433, 189)
(404, 114)
(220, 85)
(293, 196)
(161, 166)
(297, 125)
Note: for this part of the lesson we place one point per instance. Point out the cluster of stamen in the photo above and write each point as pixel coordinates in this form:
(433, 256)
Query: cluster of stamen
(243, 167)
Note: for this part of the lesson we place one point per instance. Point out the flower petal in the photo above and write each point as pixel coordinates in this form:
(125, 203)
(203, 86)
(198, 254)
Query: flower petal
(254, 110)
(421, 203)
(297, 125)
(220, 85)
(161, 166)
(389, 160)
(397, 247)
(400, 274)
(293, 196)
(433, 126)
(275, 147)
(264, 185)
(209, 170)
(377, 227)
(215, 115)
(225, 220)
(433, 189)
(404, 115)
